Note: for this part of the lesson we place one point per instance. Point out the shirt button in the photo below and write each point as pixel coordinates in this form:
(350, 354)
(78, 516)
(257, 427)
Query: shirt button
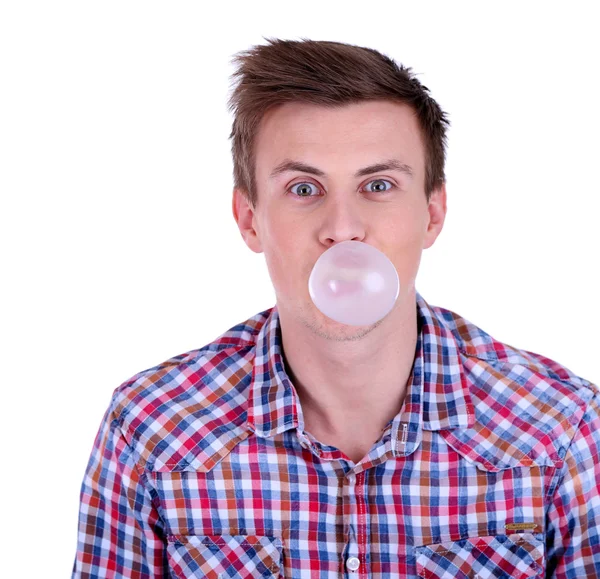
(352, 564)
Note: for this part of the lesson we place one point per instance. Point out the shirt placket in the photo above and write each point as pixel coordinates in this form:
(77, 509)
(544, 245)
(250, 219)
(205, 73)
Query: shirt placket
(356, 554)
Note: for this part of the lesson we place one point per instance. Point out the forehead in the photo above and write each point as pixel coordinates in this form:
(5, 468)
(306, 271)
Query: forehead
(355, 134)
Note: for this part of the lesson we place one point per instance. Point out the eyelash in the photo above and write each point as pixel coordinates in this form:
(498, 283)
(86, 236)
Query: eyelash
(312, 184)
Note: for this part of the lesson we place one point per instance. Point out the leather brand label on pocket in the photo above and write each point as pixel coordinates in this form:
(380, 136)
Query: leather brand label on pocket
(521, 526)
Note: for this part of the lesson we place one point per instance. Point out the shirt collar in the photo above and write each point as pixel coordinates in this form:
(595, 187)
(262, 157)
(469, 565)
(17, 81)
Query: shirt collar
(446, 399)
(437, 374)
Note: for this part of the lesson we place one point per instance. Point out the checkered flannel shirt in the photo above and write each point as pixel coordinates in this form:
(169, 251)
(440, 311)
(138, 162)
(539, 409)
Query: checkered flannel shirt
(202, 468)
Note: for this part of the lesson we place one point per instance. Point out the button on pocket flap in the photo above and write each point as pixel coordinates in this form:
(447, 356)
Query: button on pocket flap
(516, 556)
(225, 556)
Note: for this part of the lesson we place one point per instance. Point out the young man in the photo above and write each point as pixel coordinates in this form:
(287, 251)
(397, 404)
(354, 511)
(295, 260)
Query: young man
(297, 446)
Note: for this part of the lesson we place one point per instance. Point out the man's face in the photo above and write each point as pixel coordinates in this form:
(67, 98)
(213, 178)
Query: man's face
(301, 214)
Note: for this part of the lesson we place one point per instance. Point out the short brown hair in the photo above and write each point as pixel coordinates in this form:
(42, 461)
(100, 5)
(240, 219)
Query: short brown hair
(328, 74)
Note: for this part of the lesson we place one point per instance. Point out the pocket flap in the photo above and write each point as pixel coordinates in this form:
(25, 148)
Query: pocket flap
(225, 556)
(516, 556)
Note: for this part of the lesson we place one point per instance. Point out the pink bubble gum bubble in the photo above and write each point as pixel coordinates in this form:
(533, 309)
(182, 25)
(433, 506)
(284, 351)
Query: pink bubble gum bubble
(354, 283)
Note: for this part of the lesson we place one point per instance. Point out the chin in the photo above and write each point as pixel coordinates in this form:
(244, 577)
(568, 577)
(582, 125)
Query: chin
(325, 327)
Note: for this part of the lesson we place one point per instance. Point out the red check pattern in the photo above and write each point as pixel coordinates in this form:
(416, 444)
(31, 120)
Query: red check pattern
(225, 556)
(516, 557)
(202, 468)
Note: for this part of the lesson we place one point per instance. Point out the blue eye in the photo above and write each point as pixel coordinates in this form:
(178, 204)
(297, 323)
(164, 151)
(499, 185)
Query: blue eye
(379, 181)
(306, 189)
(303, 192)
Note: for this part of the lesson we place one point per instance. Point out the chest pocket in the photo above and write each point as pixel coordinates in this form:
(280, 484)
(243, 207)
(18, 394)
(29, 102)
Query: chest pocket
(225, 556)
(516, 556)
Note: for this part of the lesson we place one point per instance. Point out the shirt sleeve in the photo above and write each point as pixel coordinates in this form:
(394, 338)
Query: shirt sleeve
(573, 518)
(120, 531)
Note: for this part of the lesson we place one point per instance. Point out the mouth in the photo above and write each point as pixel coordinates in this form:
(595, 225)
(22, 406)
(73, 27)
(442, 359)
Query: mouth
(349, 261)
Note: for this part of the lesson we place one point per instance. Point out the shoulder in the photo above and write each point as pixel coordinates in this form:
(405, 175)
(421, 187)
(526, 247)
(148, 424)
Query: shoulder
(476, 343)
(534, 405)
(522, 366)
(189, 400)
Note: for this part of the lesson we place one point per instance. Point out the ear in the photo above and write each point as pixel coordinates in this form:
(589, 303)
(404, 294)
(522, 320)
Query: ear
(437, 214)
(245, 217)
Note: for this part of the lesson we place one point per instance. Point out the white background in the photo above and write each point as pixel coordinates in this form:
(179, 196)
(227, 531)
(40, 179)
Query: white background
(119, 249)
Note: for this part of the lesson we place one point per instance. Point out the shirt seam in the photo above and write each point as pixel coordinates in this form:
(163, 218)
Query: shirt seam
(498, 362)
(141, 471)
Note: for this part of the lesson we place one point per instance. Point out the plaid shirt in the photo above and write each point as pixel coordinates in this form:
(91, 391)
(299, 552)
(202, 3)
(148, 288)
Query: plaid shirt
(202, 468)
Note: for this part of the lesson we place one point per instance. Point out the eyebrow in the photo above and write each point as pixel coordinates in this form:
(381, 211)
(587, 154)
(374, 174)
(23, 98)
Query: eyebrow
(390, 164)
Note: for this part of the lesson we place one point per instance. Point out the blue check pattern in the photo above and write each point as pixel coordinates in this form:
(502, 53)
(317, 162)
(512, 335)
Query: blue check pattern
(202, 467)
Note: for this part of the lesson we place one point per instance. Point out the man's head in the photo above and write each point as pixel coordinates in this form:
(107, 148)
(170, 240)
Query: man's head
(328, 74)
(332, 143)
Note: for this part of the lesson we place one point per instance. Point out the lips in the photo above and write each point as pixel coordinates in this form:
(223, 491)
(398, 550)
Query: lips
(348, 260)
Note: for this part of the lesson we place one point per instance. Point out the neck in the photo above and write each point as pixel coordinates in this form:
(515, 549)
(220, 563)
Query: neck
(350, 381)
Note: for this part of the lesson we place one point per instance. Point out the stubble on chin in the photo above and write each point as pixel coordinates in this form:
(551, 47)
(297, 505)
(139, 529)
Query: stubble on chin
(316, 322)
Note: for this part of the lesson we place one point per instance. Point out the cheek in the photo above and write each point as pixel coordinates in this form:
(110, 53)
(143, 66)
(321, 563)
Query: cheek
(405, 252)
(284, 240)
(284, 254)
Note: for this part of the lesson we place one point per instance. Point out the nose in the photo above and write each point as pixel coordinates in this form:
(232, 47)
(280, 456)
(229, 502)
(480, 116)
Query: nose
(342, 220)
